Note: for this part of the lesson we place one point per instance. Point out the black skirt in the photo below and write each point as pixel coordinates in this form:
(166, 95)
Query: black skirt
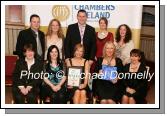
(107, 90)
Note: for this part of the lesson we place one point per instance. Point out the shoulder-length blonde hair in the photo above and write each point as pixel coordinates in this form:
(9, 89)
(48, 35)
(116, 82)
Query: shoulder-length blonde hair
(78, 46)
(60, 31)
(105, 46)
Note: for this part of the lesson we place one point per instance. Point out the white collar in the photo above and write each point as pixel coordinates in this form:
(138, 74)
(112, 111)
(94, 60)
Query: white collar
(81, 25)
(28, 61)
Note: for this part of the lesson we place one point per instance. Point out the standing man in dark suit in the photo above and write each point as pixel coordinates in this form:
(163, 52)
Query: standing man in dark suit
(81, 33)
(32, 36)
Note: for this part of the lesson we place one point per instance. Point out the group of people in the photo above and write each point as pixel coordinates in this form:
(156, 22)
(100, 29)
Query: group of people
(82, 47)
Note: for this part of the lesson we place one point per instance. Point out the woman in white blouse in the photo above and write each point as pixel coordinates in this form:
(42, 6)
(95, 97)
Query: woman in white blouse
(54, 36)
(124, 43)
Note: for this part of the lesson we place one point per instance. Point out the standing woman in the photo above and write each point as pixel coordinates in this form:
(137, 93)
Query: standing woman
(54, 84)
(78, 94)
(124, 43)
(54, 36)
(25, 83)
(109, 91)
(135, 89)
(102, 36)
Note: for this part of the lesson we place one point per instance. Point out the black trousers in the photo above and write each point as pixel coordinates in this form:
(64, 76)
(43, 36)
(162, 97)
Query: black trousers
(30, 98)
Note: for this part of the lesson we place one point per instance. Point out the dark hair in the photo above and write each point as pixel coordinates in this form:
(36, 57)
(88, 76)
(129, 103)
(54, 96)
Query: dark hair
(104, 19)
(138, 53)
(29, 47)
(34, 15)
(128, 35)
(83, 11)
(49, 57)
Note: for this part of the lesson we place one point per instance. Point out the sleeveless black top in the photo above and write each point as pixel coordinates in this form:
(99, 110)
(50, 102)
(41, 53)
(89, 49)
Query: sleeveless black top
(83, 69)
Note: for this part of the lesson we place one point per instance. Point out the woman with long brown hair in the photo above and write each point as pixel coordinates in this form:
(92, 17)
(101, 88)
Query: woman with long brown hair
(124, 43)
(54, 36)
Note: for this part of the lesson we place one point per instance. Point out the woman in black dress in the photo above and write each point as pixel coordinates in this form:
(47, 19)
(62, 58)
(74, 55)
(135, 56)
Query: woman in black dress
(108, 91)
(135, 88)
(78, 94)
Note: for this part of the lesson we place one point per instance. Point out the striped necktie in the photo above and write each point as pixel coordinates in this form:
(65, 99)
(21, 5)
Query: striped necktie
(81, 33)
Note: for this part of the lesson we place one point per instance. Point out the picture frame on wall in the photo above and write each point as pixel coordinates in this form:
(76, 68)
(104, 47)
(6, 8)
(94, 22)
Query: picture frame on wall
(14, 14)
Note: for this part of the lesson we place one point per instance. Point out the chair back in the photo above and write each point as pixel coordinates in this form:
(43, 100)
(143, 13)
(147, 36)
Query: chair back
(10, 62)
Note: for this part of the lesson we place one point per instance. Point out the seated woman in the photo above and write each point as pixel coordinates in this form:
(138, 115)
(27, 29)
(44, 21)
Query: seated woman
(78, 94)
(109, 91)
(135, 89)
(25, 82)
(54, 84)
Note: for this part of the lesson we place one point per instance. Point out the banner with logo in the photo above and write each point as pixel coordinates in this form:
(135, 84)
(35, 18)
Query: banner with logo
(116, 14)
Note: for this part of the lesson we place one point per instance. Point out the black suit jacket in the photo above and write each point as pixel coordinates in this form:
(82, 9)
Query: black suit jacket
(28, 36)
(73, 38)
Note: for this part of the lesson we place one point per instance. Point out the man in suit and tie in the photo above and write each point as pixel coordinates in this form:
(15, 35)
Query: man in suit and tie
(81, 33)
(32, 36)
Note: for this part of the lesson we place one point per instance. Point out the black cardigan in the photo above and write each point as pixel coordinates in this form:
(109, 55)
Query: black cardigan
(140, 85)
(119, 64)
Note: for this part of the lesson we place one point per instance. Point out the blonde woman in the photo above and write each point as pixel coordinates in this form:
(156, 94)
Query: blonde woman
(102, 36)
(78, 94)
(108, 91)
(54, 36)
